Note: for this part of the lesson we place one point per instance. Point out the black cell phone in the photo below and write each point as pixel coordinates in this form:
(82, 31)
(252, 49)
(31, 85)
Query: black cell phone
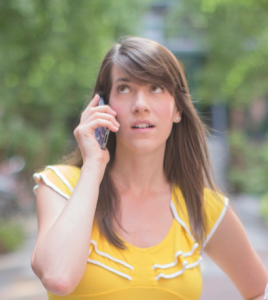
(102, 133)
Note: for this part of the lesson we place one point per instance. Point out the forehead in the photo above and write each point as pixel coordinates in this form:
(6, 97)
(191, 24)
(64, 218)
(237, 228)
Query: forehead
(140, 77)
(118, 75)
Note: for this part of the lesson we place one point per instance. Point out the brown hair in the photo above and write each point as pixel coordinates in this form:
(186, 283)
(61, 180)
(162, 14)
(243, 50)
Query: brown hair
(186, 161)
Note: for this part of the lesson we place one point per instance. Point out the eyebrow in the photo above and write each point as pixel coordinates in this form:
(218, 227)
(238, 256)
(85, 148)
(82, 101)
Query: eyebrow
(122, 79)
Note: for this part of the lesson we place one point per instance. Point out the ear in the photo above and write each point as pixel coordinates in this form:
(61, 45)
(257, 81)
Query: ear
(177, 117)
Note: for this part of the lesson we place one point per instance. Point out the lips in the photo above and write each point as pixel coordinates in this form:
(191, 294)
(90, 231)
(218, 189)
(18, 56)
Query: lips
(142, 124)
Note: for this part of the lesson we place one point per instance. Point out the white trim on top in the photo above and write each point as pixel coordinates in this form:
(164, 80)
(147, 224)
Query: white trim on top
(94, 243)
(217, 223)
(49, 184)
(95, 262)
(177, 254)
(185, 267)
(176, 216)
(61, 177)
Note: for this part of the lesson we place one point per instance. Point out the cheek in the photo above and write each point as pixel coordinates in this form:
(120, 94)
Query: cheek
(166, 112)
(118, 108)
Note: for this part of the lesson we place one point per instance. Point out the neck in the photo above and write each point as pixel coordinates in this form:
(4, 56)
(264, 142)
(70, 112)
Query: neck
(139, 174)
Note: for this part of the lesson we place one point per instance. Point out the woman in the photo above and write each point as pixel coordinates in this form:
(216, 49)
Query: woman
(140, 213)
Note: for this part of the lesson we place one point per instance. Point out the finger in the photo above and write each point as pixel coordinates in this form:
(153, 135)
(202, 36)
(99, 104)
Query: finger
(104, 116)
(104, 123)
(94, 124)
(92, 103)
(91, 110)
(104, 109)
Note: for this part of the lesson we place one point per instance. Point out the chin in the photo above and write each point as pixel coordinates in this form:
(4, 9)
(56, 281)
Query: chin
(143, 147)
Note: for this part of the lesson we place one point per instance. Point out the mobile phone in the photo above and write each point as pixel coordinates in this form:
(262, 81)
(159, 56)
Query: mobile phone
(102, 133)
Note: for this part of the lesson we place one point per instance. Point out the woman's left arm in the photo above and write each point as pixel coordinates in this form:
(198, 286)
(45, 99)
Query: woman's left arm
(231, 250)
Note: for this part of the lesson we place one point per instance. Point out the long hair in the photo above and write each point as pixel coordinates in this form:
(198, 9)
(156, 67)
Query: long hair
(186, 161)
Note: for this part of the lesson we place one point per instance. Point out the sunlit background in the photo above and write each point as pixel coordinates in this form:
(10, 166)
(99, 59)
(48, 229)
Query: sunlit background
(50, 54)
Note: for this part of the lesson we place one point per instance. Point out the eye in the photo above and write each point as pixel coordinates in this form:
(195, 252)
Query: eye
(157, 89)
(122, 89)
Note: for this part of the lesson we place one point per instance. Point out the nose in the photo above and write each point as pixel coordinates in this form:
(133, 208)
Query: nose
(140, 103)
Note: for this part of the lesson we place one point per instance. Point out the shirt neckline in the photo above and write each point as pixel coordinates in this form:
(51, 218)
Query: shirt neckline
(165, 239)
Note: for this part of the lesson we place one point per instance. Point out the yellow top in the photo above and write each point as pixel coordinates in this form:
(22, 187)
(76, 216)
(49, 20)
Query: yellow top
(169, 270)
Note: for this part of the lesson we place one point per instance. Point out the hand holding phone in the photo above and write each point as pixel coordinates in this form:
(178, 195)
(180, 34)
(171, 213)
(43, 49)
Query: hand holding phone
(102, 133)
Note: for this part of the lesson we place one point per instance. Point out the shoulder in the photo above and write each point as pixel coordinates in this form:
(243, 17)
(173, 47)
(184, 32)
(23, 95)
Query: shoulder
(61, 178)
(214, 202)
(214, 209)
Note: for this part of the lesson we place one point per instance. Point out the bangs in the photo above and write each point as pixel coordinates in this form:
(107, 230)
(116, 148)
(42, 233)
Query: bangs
(142, 68)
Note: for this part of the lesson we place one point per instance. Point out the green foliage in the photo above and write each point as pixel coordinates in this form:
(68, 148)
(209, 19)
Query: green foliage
(11, 236)
(264, 206)
(249, 166)
(234, 37)
(50, 54)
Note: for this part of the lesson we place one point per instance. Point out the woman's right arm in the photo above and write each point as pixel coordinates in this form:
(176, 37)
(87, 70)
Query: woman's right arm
(64, 227)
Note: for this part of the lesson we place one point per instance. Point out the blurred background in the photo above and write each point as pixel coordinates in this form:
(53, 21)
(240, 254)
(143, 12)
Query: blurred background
(49, 56)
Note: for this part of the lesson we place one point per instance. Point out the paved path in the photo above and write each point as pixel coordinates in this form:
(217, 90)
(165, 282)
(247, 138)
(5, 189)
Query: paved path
(17, 281)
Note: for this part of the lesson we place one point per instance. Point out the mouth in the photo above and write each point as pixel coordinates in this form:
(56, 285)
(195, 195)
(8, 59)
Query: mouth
(142, 128)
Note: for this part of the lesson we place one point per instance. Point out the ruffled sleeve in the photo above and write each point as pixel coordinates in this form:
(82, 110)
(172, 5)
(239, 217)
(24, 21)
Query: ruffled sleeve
(61, 178)
(215, 206)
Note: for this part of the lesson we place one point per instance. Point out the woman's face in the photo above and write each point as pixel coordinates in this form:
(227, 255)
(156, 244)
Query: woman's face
(145, 113)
